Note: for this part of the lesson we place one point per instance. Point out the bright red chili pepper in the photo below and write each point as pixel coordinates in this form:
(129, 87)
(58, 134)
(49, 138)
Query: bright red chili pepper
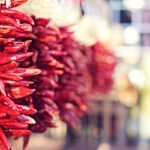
(17, 15)
(15, 85)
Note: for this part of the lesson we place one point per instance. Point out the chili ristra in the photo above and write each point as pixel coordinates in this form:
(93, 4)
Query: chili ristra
(15, 84)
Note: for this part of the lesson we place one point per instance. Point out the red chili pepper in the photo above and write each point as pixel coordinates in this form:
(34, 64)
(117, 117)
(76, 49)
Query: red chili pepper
(11, 65)
(14, 125)
(4, 140)
(14, 47)
(6, 58)
(15, 83)
(41, 21)
(26, 110)
(19, 132)
(4, 41)
(8, 76)
(26, 119)
(9, 109)
(5, 99)
(24, 83)
(25, 72)
(2, 115)
(15, 3)
(19, 92)
(16, 34)
(25, 27)
(17, 15)
(8, 21)
(2, 88)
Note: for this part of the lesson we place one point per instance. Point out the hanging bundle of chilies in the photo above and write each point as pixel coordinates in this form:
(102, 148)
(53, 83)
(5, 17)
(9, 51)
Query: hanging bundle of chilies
(44, 72)
(15, 28)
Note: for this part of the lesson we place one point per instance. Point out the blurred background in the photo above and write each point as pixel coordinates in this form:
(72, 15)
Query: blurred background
(119, 120)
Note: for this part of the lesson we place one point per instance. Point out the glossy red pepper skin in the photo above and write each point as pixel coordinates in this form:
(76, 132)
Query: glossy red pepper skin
(15, 3)
(4, 41)
(3, 141)
(6, 58)
(24, 83)
(2, 87)
(14, 47)
(11, 65)
(17, 15)
(8, 21)
(14, 125)
(19, 133)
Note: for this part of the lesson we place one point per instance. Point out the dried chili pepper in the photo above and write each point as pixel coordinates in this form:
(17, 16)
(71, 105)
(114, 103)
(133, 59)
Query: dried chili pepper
(15, 84)
(17, 15)
(101, 67)
(59, 88)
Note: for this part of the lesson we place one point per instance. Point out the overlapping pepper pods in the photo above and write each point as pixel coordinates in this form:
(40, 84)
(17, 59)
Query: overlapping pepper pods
(101, 66)
(60, 76)
(67, 75)
(46, 54)
(15, 85)
(71, 93)
(65, 71)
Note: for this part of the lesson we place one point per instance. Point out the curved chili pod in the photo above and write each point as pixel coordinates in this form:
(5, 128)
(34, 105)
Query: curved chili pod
(4, 41)
(26, 119)
(20, 92)
(24, 83)
(20, 132)
(17, 15)
(4, 140)
(8, 76)
(2, 87)
(9, 109)
(14, 47)
(14, 125)
(8, 20)
(26, 110)
(24, 72)
(11, 65)
(6, 58)
(15, 3)
(25, 27)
